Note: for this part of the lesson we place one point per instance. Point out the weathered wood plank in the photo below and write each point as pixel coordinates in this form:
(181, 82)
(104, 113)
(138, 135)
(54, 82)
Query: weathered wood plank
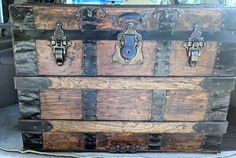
(61, 141)
(122, 142)
(181, 142)
(47, 16)
(124, 105)
(162, 83)
(47, 64)
(136, 127)
(179, 61)
(105, 65)
(61, 104)
(186, 106)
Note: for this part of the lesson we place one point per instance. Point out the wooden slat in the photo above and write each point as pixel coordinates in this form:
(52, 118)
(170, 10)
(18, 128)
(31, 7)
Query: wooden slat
(61, 104)
(179, 61)
(134, 127)
(124, 104)
(173, 83)
(45, 17)
(186, 106)
(181, 142)
(206, 18)
(63, 141)
(105, 65)
(47, 64)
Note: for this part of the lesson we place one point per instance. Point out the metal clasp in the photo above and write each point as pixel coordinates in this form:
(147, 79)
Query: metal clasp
(59, 44)
(128, 49)
(194, 46)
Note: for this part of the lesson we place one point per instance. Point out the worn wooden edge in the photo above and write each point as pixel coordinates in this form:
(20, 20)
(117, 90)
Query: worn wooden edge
(161, 83)
(123, 126)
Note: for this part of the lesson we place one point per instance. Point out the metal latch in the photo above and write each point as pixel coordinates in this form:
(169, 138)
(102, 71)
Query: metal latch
(59, 44)
(128, 49)
(194, 46)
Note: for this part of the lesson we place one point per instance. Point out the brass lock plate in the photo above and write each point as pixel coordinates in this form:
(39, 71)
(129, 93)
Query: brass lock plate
(128, 47)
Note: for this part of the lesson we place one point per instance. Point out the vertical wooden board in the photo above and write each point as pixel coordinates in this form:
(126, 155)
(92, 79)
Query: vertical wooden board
(186, 106)
(124, 105)
(181, 142)
(61, 104)
(117, 18)
(105, 65)
(46, 17)
(109, 141)
(179, 65)
(62, 141)
(48, 66)
(206, 18)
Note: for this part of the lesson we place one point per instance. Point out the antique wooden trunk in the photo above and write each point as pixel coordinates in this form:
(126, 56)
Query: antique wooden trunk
(123, 78)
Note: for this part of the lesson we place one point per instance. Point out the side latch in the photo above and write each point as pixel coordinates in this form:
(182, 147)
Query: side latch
(194, 46)
(128, 48)
(59, 44)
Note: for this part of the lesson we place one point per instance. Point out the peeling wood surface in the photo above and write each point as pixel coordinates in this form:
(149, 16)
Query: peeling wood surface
(47, 64)
(124, 105)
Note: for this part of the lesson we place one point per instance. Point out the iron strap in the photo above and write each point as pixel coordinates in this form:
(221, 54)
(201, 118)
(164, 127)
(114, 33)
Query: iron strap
(223, 36)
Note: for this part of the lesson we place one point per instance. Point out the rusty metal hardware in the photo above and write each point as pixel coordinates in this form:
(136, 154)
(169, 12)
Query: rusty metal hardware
(89, 11)
(194, 46)
(123, 148)
(59, 44)
(128, 48)
(34, 126)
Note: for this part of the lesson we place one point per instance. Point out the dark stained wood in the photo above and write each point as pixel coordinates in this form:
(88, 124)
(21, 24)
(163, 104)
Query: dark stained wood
(117, 18)
(124, 105)
(181, 142)
(61, 104)
(186, 105)
(45, 17)
(109, 141)
(105, 65)
(63, 141)
(206, 18)
(179, 61)
(48, 66)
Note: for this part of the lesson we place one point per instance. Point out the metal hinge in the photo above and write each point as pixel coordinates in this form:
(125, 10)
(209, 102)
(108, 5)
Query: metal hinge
(128, 49)
(34, 126)
(59, 44)
(194, 46)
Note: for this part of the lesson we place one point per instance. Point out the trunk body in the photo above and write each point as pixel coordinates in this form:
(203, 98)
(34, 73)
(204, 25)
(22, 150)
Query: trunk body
(123, 78)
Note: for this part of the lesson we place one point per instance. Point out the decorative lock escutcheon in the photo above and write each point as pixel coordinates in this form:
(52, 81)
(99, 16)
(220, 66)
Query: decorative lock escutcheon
(128, 48)
(194, 46)
(59, 44)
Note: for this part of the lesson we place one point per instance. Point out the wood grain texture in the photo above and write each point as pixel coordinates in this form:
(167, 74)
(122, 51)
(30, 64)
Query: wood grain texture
(62, 141)
(61, 104)
(105, 65)
(48, 66)
(124, 104)
(179, 61)
(125, 140)
(45, 17)
(181, 142)
(135, 127)
(115, 20)
(186, 106)
(206, 18)
(174, 83)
